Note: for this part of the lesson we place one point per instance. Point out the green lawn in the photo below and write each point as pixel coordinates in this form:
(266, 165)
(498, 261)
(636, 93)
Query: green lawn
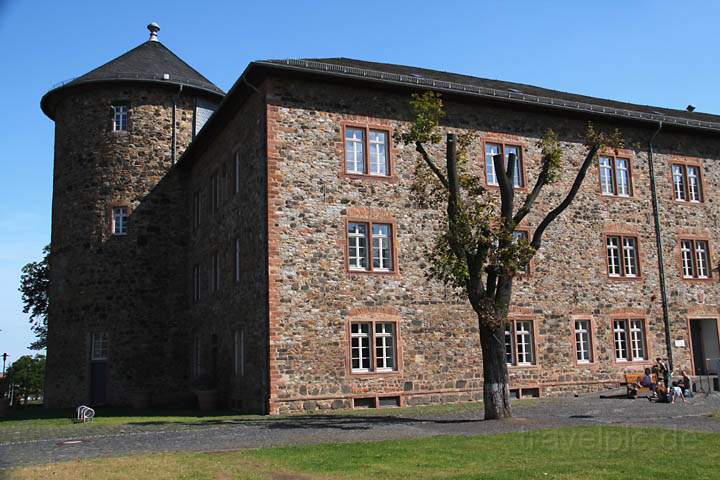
(595, 453)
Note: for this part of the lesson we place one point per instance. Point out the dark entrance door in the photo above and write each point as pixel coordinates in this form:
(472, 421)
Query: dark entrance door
(98, 383)
(705, 345)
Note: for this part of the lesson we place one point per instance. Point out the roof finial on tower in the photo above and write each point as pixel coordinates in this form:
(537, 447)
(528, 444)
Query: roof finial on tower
(154, 29)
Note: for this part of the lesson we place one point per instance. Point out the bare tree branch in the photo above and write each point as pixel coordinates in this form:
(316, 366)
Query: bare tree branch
(532, 196)
(506, 189)
(537, 237)
(431, 164)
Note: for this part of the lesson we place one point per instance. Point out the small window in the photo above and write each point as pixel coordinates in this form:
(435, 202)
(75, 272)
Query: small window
(379, 258)
(119, 220)
(695, 259)
(196, 356)
(366, 151)
(215, 272)
(615, 176)
(629, 339)
(99, 346)
(196, 283)
(239, 352)
(237, 259)
(197, 209)
(519, 343)
(237, 172)
(373, 347)
(686, 183)
(492, 149)
(622, 256)
(120, 118)
(522, 235)
(583, 341)
(214, 192)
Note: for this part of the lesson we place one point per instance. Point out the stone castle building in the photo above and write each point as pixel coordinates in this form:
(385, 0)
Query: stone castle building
(274, 245)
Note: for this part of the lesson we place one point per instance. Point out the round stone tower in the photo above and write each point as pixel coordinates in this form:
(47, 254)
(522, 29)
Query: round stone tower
(119, 226)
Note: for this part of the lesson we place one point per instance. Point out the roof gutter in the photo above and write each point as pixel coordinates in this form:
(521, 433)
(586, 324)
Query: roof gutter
(659, 247)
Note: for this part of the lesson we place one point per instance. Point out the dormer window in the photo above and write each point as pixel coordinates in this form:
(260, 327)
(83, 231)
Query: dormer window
(120, 118)
(119, 220)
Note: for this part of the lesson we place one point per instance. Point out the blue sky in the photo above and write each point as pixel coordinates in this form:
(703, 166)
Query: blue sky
(658, 52)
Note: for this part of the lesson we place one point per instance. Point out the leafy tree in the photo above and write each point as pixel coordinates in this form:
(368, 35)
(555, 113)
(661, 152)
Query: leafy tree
(475, 251)
(25, 377)
(34, 285)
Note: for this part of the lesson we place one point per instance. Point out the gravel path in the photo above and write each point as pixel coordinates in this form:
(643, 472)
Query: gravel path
(543, 413)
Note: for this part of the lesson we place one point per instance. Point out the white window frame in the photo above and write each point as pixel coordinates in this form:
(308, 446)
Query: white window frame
(521, 336)
(695, 257)
(355, 150)
(687, 183)
(613, 255)
(518, 179)
(382, 243)
(637, 340)
(583, 340)
(379, 149)
(679, 184)
(630, 340)
(355, 247)
(688, 258)
(99, 346)
(620, 340)
(120, 118)
(702, 264)
(607, 175)
(615, 176)
(364, 342)
(694, 190)
(381, 338)
(622, 257)
(120, 217)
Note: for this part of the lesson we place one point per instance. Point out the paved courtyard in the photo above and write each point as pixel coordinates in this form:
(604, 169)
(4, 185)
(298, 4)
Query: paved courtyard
(232, 435)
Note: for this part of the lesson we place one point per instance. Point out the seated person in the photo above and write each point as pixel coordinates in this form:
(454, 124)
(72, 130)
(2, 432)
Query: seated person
(647, 382)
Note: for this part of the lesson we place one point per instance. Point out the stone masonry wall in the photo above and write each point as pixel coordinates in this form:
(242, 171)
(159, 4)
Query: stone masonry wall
(315, 297)
(236, 305)
(132, 286)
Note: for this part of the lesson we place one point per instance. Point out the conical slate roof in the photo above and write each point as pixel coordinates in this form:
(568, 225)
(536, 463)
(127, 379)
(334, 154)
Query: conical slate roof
(148, 62)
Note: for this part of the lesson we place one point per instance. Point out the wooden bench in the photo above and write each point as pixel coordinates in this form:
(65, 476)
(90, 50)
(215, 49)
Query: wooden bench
(631, 383)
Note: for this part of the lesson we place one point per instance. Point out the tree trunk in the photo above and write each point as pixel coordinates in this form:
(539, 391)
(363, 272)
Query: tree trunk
(495, 374)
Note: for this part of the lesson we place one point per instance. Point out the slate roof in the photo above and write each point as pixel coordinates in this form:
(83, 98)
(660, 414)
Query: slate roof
(497, 89)
(148, 62)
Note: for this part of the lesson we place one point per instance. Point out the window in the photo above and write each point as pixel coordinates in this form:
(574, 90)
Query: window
(522, 235)
(119, 220)
(492, 149)
(98, 346)
(615, 176)
(373, 346)
(239, 352)
(519, 343)
(215, 272)
(196, 282)
(379, 258)
(366, 152)
(237, 259)
(214, 193)
(629, 339)
(695, 258)
(686, 183)
(622, 256)
(196, 209)
(583, 341)
(120, 118)
(196, 356)
(237, 172)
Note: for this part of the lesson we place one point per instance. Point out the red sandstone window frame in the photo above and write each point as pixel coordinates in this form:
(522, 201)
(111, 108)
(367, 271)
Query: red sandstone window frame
(504, 143)
(512, 321)
(684, 163)
(371, 320)
(638, 262)
(369, 246)
(627, 318)
(679, 258)
(623, 154)
(367, 128)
